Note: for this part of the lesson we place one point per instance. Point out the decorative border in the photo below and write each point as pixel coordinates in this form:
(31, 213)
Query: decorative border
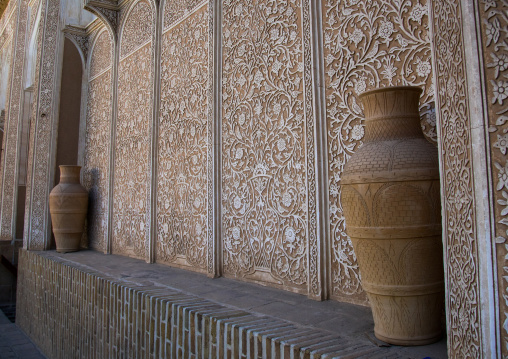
(459, 219)
(315, 285)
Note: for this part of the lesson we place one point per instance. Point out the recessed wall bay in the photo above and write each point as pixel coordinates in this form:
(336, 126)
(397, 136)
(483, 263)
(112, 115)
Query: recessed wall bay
(131, 182)
(97, 142)
(182, 176)
(264, 178)
(367, 45)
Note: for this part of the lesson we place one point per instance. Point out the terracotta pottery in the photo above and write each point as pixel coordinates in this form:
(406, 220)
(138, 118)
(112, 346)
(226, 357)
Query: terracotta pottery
(391, 202)
(68, 204)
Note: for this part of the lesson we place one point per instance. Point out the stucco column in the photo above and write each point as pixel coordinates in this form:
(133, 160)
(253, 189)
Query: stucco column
(43, 129)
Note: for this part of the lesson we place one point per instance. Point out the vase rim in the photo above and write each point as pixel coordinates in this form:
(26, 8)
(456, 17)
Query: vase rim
(391, 88)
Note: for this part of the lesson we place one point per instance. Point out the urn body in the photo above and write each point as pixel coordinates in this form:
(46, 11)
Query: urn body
(68, 204)
(391, 201)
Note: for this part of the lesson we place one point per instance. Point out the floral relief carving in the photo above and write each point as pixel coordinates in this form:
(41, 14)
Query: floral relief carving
(461, 256)
(494, 22)
(264, 195)
(182, 202)
(97, 143)
(131, 183)
(367, 44)
(175, 10)
(102, 54)
(137, 33)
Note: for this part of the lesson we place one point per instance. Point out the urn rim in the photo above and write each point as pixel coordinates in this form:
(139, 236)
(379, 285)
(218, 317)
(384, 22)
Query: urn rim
(391, 88)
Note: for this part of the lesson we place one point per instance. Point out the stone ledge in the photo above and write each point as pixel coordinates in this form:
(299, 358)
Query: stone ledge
(87, 305)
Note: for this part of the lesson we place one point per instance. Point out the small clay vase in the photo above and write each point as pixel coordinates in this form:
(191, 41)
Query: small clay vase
(68, 205)
(391, 201)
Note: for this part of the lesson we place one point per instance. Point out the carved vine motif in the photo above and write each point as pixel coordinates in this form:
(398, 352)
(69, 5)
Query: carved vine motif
(463, 302)
(367, 44)
(182, 202)
(177, 9)
(494, 23)
(131, 188)
(98, 118)
(264, 179)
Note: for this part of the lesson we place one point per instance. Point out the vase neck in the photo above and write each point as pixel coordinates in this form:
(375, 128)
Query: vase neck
(392, 113)
(70, 174)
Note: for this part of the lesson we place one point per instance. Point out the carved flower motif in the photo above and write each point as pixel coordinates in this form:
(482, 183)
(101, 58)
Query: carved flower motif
(258, 78)
(500, 62)
(357, 133)
(422, 67)
(502, 176)
(241, 119)
(199, 230)
(290, 234)
(360, 86)
(500, 91)
(356, 36)
(504, 202)
(385, 29)
(237, 202)
(236, 232)
(492, 31)
(333, 209)
(418, 12)
(277, 108)
(239, 153)
(502, 143)
(281, 144)
(489, 4)
(451, 87)
(287, 199)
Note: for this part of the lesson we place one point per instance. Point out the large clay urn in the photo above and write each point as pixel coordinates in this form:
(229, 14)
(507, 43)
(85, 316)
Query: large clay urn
(68, 204)
(391, 201)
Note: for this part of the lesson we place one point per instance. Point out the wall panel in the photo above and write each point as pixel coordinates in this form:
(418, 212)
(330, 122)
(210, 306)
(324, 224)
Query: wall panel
(182, 200)
(97, 142)
(132, 172)
(264, 169)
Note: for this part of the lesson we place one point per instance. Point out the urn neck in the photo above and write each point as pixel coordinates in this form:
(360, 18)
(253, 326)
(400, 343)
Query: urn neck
(391, 113)
(70, 174)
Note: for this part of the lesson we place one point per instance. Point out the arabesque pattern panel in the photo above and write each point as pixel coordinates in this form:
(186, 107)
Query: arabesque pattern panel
(182, 201)
(131, 181)
(367, 44)
(97, 142)
(264, 179)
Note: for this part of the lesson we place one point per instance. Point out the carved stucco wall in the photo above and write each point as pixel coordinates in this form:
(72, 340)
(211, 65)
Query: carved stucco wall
(367, 44)
(11, 44)
(267, 193)
(95, 172)
(494, 30)
(183, 231)
(132, 166)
